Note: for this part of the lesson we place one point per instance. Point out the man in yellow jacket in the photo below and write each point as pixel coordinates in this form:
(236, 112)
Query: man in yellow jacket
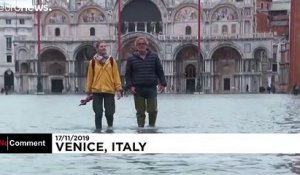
(103, 83)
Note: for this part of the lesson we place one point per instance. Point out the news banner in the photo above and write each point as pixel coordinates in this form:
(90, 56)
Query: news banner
(52, 143)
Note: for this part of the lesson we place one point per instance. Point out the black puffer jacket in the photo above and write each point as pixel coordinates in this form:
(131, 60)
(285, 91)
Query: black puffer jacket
(144, 72)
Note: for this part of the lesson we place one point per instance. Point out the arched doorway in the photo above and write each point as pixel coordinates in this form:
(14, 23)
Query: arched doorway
(24, 78)
(262, 66)
(141, 15)
(53, 67)
(84, 54)
(225, 70)
(188, 68)
(9, 80)
(190, 73)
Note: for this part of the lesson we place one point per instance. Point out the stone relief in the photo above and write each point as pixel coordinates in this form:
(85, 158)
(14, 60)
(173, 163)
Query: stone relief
(56, 17)
(23, 54)
(224, 14)
(91, 16)
(60, 3)
(186, 14)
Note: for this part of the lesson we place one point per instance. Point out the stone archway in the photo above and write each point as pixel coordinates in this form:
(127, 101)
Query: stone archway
(53, 68)
(148, 20)
(82, 57)
(225, 70)
(261, 65)
(190, 73)
(188, 67)
(9, 80)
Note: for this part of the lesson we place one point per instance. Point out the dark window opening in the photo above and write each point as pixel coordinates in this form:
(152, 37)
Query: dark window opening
(188, 30)
(274, 67)
(8, 58)
(57, 32)
(92, 31)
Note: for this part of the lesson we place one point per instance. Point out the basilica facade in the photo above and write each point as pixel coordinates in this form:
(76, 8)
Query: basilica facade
(231, 57)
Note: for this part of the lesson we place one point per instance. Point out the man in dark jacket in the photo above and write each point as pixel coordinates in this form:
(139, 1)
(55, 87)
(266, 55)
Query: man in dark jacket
(143, 73)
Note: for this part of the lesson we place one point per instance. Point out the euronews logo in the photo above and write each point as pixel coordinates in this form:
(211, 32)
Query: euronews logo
(37, 5)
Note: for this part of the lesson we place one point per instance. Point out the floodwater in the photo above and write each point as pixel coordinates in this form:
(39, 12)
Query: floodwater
(238, 113)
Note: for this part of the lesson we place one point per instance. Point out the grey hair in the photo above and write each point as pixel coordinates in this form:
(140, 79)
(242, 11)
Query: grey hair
(139, 38)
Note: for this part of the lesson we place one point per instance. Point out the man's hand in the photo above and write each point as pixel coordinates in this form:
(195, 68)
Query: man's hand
(132, 90)
(118, 94)
(161, 88)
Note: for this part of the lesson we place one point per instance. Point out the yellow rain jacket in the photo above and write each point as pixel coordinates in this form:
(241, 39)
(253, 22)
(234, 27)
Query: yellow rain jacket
(103, 78)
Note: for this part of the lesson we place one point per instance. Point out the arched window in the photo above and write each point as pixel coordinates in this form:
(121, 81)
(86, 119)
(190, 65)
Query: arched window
(57, 32)
(188, 30)
(92, 31)
(260, 56)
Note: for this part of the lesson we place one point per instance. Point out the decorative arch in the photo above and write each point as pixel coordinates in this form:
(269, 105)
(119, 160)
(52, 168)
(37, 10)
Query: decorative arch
(82, 55)
(23, 54)
(92, 15)
(186, 12)
(141, 15)
(262, 64)
(226, 63)
(158, 3)
(129, 40)
(89, 46)
(57, 16)
(188, 68)
(260, 56)
(50, 57)
(260, 48)
(9, 80)
(181, 46)
(238, 49)
(187, 53)
(226, 12)
(60, 49)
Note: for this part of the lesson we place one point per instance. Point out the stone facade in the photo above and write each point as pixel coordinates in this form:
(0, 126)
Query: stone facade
(12, 24)
(233, 57)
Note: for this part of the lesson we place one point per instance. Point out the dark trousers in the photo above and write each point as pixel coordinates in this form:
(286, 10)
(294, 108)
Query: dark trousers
(109, 106)
(146, 99)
